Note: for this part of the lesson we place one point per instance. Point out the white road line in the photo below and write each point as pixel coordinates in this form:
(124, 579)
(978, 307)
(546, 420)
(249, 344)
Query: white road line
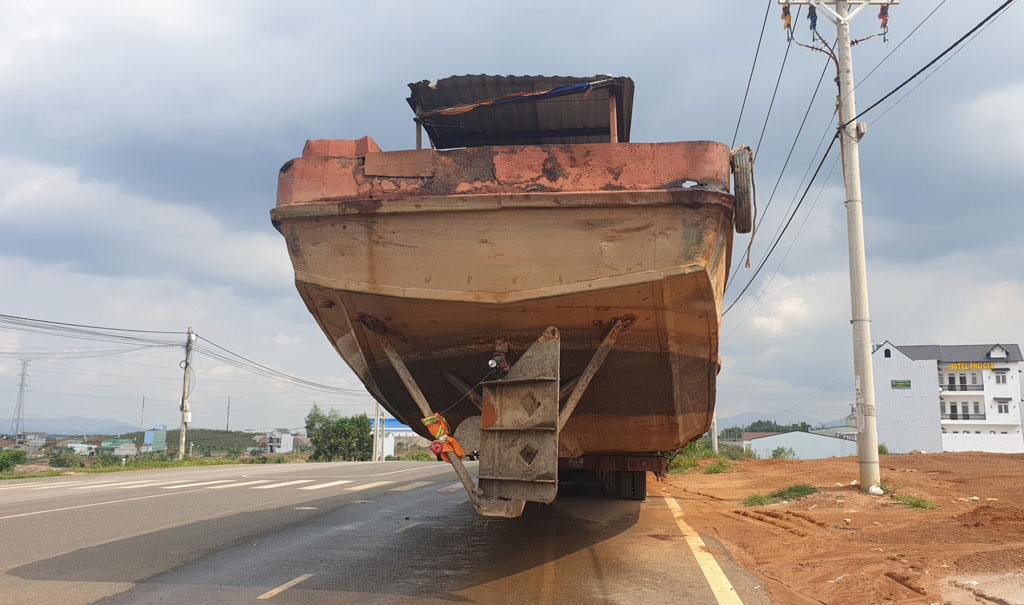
(407, 528)
(37, 488)
(724, 593)
(272, 593)
(409, 486)
(198, 484)
(242, 484)
(57, 510)
(451, 488)
(359, 488)
(154, 484)
(114, 484)
(275, 485)
(325, 485)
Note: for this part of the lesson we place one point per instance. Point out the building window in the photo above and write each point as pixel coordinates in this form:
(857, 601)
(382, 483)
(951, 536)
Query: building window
(952, 407)
(943, 430)
(888, 353)
(956, 432)
(974, 378)
(963, 380)
(1002, 432)
(977, 432)
(1004, 408)
(991, 432)
(1000, 378)
(942, 407)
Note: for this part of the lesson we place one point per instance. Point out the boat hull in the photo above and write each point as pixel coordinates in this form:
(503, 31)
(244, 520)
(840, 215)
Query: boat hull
(449, 276)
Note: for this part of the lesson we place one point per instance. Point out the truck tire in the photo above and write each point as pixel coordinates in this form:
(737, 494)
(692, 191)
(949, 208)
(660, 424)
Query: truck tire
(743, 189)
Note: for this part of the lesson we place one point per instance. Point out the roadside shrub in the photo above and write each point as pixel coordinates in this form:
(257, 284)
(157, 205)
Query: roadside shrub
(882, 449)
(11, 458)
(757, 500)
(783, 453)
(65, 458)
(106, 459)
(419, 456)
(717, 466)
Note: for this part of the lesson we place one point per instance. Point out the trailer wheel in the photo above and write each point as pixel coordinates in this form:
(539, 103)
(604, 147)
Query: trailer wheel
(743, 189)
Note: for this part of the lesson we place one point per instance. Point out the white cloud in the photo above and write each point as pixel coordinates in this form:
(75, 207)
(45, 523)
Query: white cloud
(990, 128)
(150, 236)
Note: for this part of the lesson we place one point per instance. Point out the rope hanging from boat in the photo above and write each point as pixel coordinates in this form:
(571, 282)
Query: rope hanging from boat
(584, 88)
(444, 443)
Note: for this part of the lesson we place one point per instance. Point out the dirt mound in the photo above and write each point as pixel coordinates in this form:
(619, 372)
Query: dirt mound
(841, 546)
(987, 516)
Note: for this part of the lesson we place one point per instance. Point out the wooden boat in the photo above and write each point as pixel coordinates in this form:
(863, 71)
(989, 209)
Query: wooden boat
(453, 255)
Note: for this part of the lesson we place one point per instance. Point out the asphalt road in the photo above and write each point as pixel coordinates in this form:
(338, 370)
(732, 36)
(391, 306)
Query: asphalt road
(392, 532)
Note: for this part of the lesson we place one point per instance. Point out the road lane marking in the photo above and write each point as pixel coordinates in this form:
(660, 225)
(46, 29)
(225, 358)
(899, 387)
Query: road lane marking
(272, 593)
(407, 528)
(276, 485)
(57, 510)
(242, 484)
(451, 488)
(37, 488)
(154, 484)
(357, 488)
(114, 484)
(724, 593)
(409, 486)
(198, 484)
(325, 485)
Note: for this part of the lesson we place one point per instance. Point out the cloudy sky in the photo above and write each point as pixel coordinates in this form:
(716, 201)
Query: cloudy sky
(141, 142)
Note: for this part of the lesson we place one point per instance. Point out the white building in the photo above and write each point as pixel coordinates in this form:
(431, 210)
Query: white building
(279, 441)
(954, 398)
(804, 446)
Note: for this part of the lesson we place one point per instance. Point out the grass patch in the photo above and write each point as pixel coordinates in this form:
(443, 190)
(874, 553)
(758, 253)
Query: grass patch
(915, 501)
(688, 457)
(790, 493)
(795, 491)
(887, 486)
(717, 466)
(757, 500)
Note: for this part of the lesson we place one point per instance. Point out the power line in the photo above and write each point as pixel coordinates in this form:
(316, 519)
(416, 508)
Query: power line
(991, 15)
(902, 42)
(786, 226)
(72, 325)
(757, 52)
(771, 104)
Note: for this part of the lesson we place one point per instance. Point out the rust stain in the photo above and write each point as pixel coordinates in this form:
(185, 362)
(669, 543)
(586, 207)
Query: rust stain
(488, 414)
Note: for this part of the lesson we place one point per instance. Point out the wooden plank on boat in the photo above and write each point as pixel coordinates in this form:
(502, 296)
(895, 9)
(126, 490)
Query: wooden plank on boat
(412, 163)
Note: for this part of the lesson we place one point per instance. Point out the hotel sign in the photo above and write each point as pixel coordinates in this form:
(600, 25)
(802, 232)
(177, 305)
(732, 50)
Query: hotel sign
(973, 365)
(899, 384)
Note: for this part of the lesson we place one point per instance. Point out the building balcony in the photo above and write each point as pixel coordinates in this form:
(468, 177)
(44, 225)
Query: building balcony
(961, 387)
(963, 416)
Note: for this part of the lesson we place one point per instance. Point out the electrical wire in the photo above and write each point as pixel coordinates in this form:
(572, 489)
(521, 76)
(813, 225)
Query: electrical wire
(902, 42)
(771, 104)
(953, 46)
(757, 52)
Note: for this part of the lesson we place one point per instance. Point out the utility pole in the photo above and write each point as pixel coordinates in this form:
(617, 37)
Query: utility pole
(850, 133)
(376, 437)
(142, 414)
(714, 431)
(186, 412)
(18, 420)
(227, 423)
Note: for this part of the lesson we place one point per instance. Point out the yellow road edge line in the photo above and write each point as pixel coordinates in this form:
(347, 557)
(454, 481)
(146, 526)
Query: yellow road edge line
(723, 590)
(272, 593)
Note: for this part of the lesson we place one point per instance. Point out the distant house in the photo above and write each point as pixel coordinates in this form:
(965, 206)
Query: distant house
(805, 446)
(119, 447)
(278, 441)
(848, 430)
(400, 436)
(83, 449)
(155, 439)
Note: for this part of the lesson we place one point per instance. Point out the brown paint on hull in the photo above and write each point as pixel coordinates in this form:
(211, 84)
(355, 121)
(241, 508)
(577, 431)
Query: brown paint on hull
(614, 231)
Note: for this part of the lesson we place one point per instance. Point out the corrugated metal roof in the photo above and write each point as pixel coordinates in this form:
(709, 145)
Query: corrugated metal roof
(568, 119)
(959, 353)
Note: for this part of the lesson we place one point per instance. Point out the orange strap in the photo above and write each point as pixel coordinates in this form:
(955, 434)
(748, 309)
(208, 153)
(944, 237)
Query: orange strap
(438, 427)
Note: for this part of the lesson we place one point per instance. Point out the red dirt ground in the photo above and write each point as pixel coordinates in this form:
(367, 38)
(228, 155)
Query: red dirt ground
(841, 546)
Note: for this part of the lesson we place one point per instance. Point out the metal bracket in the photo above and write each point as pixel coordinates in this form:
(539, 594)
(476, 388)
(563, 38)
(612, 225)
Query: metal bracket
(583, 380)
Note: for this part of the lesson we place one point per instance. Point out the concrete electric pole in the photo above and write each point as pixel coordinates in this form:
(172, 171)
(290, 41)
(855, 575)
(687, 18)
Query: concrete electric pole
(227, 423)
(850, 133)
(142, 414)
(376, 434)
(186, 412)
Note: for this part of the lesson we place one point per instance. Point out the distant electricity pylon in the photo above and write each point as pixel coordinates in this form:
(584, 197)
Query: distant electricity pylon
(18, 420)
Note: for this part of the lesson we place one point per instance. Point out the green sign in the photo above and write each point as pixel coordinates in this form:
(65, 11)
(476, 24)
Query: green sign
(900, 384)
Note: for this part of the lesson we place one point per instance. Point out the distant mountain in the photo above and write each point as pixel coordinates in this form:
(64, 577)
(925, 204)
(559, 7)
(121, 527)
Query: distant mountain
(72, 425)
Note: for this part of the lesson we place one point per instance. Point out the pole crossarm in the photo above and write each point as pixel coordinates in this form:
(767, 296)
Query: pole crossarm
(832, 15)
